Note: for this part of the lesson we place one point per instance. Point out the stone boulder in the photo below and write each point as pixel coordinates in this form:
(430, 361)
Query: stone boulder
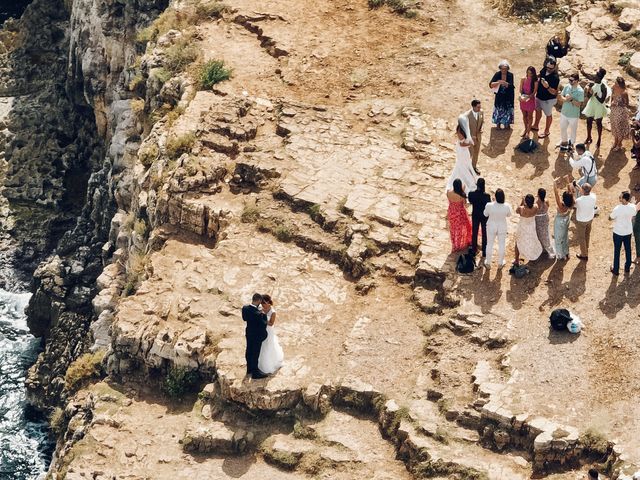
(629, 19)
(633, 67)
(214, 438)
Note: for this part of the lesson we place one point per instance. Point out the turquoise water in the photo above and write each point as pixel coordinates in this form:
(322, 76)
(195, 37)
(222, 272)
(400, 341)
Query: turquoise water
(24, 441)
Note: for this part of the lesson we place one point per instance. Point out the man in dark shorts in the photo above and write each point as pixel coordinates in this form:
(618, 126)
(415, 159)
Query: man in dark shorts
(546, 98)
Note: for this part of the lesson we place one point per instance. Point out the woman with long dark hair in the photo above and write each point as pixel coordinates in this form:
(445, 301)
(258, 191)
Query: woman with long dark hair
(528, 91)
(620, 128)
(542, 222)
(527, 243)
(561, 222)
(459, 223)
(463, 169)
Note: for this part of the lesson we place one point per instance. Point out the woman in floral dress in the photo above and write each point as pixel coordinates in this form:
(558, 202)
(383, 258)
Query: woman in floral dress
(619, 116)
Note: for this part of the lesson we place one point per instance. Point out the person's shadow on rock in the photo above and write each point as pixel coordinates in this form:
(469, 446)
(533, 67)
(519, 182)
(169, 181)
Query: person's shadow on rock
(237, 467)
(498, 141)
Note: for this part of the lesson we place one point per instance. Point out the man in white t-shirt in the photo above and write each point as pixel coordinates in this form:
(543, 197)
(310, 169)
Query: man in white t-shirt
(622, 216)
(583, 161)
(585, 211)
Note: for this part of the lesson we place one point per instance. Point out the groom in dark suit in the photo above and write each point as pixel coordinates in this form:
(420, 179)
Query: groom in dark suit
(255, 332)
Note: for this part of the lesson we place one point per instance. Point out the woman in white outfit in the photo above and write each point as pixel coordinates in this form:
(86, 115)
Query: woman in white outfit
(527, 243)
(463, 168)
(497, 213)
(271, 354)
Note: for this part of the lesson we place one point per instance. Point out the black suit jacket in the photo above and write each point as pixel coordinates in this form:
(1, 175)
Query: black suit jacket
(256, 321)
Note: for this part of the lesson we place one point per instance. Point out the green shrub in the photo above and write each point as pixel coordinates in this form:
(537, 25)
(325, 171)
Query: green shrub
(624, 59)
(180, 55)
(136, 83)
(148, 154)
(170, 19)
(283, 233)
(302, 431)
(176, 146)
(140, 227)
(250, 213)
(180, 381)
(211, 9)
(213, 72)
(162, 74)
(376, 3)
(56, 421)
(86, 367)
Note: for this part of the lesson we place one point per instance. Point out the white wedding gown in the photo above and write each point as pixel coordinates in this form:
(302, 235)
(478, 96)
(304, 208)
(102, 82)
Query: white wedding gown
(463, 169)
(271, 354)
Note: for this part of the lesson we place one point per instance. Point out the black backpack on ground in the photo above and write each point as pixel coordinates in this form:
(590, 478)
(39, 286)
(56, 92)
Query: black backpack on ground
(559, 319)
(527, 146)
(466, 263)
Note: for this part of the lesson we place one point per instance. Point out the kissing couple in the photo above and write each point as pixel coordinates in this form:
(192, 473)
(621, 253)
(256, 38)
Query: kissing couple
(264, 354)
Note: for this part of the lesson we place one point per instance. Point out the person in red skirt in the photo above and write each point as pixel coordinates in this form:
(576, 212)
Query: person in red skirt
(459, 222)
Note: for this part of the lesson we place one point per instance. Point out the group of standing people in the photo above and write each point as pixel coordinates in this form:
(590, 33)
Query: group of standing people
(538, 94)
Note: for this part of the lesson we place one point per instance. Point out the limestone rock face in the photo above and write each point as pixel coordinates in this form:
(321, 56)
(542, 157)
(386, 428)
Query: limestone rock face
(629, 18)
(633, 67)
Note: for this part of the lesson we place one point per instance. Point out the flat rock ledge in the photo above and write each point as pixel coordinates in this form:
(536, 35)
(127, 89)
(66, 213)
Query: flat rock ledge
(551, 444)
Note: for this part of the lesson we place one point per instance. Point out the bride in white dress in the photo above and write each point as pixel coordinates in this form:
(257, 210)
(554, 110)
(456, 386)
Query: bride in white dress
(463, 168)
(271, 354)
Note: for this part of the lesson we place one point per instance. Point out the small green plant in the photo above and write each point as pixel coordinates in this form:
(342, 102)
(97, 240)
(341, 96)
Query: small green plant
(250, 213)
(177, 145)
(86, 367)
(136, 262)
(213, 72)
(140, 227)
(180, 381)
(56, 421)
(594, 441)
(180, 55)
(405, 8)
(136, 83)
(443, 405)
(211, 9)
(303, 431)
(161, 74)
(148, 154)
(625, 58)
(137, 105)
(170, 19)
(283, 233)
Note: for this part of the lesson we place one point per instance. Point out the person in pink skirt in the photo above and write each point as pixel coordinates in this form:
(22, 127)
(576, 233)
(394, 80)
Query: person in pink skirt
(528, 90)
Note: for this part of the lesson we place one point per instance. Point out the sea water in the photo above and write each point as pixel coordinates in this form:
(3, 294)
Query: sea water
(25, 445)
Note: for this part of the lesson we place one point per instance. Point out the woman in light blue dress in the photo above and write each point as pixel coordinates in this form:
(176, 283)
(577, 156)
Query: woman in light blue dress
(561, 222)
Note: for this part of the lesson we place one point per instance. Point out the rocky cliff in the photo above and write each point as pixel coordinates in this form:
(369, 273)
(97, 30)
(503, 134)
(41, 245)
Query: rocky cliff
(67, 138)
(150, 205)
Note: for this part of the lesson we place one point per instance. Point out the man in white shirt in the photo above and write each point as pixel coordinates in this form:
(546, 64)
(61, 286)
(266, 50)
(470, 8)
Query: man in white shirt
(585, 164)
(497, 213)
(585, 211)
(622, 216)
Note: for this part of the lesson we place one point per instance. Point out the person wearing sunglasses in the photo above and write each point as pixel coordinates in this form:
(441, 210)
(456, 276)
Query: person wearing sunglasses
(572, 97)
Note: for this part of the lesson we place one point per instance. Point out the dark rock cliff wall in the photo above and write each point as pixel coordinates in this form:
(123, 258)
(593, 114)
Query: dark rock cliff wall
(68, 137)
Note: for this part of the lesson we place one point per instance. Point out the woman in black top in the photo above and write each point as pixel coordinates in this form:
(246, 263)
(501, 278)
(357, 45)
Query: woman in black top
(504, 89)
(479, 199)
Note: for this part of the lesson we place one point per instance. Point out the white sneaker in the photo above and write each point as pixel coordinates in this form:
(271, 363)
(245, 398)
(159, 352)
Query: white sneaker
(502, 264)
(487, 264)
